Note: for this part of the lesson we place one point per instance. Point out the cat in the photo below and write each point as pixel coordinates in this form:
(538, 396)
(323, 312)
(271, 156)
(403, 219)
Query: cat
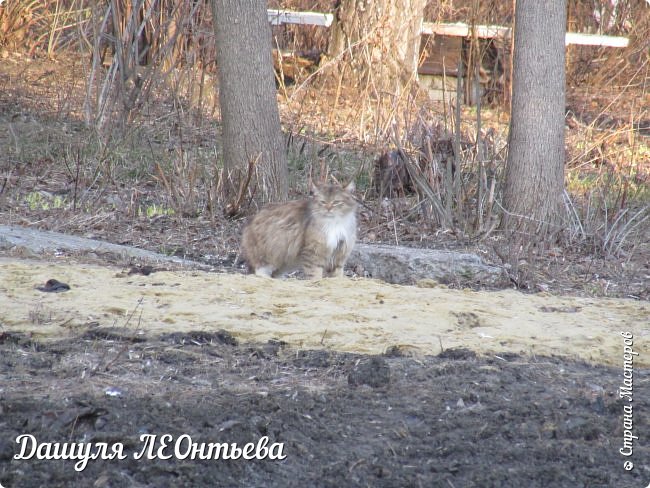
(315, 234)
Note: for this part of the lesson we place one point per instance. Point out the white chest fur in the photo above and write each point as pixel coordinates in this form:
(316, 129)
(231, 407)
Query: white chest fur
(343, 229)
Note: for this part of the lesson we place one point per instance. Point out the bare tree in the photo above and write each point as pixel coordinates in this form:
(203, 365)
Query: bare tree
(535, 170)
(388, 31)
(255, 161)
(382, 40)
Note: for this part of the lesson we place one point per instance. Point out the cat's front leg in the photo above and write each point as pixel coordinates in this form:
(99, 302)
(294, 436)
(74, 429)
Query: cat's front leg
(313, 272)
(341, 253)
(311, 260)
(265, 271)
(336, 272)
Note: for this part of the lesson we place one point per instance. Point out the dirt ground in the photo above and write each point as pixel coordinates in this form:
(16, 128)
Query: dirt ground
(123, 355)
(452, 420)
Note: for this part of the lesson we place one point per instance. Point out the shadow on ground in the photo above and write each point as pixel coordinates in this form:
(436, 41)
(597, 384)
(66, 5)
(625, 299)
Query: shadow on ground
(454, 420)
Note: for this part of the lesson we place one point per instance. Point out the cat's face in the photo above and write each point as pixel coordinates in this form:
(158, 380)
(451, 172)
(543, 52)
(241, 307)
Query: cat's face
(332, 201)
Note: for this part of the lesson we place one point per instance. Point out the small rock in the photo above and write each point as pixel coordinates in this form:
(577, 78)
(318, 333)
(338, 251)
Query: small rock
(54, 286)
(113, 392)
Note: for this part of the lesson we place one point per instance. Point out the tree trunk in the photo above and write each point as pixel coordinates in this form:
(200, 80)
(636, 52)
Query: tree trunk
(535, 169)
(255, 163)
(383, 37)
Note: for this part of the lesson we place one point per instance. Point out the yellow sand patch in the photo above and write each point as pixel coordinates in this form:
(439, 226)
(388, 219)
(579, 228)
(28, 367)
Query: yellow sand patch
(342, 314)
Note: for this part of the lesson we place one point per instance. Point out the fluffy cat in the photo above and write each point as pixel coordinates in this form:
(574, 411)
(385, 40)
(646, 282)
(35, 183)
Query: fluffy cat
(316, 234)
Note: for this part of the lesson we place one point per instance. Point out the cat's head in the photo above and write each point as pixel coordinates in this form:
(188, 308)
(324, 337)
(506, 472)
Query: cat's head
(333, 200)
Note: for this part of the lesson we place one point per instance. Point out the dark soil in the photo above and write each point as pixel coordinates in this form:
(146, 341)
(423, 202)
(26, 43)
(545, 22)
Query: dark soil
(455, 420)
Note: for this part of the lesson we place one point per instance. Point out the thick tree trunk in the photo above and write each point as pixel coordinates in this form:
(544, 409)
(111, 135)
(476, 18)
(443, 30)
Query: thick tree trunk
(383, 38)
(255, 161)
(535, 170)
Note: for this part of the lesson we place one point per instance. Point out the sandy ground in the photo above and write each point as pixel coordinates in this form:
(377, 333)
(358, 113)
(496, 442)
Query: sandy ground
(352, 315)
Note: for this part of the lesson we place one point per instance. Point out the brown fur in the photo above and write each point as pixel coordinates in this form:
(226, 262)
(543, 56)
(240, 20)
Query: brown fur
(315, 235)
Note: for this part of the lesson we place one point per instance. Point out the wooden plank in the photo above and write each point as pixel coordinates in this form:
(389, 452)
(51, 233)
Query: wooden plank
(277, 17)
(491, 31)
(595, 40)
(463, 30)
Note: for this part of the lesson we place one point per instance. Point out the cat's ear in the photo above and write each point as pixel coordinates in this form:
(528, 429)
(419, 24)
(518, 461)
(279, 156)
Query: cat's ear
(351, 187)
(313, 189)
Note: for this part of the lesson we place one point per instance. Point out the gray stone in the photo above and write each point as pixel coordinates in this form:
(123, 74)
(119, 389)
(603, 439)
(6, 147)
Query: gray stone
(405, 265)
(393, 264)
(43, 242)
